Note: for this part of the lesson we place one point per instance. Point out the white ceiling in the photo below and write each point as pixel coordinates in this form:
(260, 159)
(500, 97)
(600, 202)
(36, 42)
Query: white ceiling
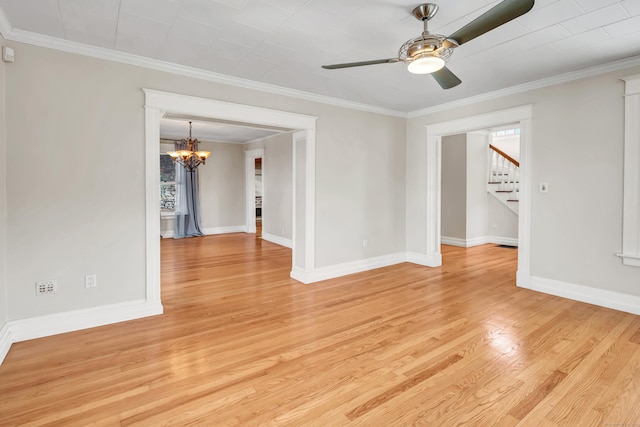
(284, 42)
(176, 127)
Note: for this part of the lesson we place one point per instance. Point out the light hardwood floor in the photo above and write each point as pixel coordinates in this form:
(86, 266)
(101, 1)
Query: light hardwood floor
(241, 343)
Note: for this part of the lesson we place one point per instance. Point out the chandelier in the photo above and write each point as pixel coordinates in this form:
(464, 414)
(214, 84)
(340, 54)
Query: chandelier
(189, 156)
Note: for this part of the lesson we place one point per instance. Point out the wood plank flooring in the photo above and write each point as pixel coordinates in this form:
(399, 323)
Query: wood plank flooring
(241, 343)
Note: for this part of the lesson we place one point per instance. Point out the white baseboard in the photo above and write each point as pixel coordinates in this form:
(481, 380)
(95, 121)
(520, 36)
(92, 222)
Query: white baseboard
(523, 279)
(59, 323)
(433, 260)
(5, 341)
(453, 241)
(301, 275)
(224, 230)
(168, 234)
(615, 300)
(287, 243)
(338, 270)
(476, 241)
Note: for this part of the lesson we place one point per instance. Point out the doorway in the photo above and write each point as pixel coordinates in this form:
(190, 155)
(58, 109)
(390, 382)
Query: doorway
(523, 116)
(158, 104)
(259, 186)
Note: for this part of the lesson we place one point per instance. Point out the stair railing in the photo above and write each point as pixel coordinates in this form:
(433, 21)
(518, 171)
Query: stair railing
(504, 171)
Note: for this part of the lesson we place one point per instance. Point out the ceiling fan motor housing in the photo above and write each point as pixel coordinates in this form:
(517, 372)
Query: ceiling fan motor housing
(425, 45)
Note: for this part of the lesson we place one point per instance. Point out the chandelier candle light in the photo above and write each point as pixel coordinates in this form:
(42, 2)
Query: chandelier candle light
(189, 157)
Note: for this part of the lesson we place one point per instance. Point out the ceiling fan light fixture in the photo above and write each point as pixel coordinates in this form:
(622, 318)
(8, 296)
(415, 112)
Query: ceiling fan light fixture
(426, 64)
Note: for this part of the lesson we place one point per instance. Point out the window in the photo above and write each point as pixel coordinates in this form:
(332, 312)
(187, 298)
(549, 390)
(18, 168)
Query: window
(507, 132)
(167, 185)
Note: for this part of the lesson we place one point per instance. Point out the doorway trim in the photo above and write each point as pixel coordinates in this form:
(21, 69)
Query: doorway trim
(522, 115)
(250, 157)
(157, 104)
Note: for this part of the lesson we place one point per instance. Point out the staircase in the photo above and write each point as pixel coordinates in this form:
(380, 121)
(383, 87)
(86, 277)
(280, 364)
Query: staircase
(504, 178)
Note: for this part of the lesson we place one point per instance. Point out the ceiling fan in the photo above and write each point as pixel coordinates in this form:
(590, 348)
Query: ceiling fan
(429, 53)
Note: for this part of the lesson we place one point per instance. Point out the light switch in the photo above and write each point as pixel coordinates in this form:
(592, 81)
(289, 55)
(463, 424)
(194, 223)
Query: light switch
(544, 187)
(8, 55)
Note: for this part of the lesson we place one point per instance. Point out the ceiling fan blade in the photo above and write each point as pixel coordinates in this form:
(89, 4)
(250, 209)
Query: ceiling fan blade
(359, 64)
(445, 78)
(493, 18)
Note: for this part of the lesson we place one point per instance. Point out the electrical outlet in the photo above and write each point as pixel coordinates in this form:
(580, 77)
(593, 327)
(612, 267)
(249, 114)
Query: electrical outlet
(544, 187)
(365, 243)
(46, 287)
(90, 281)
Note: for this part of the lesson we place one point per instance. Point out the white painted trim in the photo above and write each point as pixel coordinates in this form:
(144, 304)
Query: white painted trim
(155, 64)
(310, 199)
(522, 115)
(434, 197)
(250, 157)
(210, 108)
(454, 241)
(523, 273)
(35, 39)
(477, 241)
(631, 193)
(615, 300)
(282, 241)
(224, 230)
(537, 84)
(481, 121)
(168, 234)
(631, 260)
(5, 342)
(152, 203)
(301, 275)
(433, 260)
(158, 103)
(339, 270)
(304, 267)
(59, 323)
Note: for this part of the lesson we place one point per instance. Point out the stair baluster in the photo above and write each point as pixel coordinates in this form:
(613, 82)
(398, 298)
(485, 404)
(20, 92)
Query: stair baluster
(505, 173)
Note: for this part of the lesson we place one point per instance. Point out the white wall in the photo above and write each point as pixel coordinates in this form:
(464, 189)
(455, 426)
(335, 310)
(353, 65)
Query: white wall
(576, 229)
(277, 174)
(501, 221)
(509, 144)
(85, 213)
(454, 186)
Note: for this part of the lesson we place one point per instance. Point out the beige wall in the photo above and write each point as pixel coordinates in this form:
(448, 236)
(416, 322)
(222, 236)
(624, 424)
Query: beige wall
(80, 209)
(576, 229)
(454, 186)
(222, 186)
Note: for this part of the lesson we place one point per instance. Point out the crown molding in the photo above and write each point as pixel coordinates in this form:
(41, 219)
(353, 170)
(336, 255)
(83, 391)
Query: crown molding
(155, 64)
(537, 84)
(17, 35)
(5, 25)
